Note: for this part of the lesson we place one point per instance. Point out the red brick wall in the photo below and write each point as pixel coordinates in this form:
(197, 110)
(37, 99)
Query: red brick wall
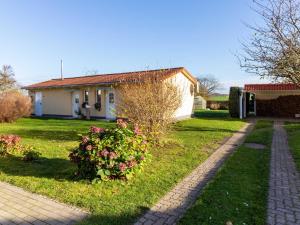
(283, 106)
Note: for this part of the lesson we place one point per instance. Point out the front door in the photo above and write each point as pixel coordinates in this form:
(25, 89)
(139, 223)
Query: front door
(38, 104)
(110, 105)
(75, 105)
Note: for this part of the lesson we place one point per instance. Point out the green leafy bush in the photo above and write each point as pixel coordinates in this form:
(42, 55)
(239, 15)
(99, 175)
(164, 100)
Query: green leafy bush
(30, 155)
(10, 144)
(115, 153)
(234, 104)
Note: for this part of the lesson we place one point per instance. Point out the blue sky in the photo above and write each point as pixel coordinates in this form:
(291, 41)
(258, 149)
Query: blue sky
(117, 36)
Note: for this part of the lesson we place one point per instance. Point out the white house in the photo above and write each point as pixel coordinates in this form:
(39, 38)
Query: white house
(64, 97)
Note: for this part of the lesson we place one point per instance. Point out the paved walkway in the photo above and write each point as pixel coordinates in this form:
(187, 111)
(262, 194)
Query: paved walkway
(284, 184)
(174, 204)
(21, 207)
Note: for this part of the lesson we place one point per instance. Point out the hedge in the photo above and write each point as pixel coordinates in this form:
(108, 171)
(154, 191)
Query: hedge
(234, 103)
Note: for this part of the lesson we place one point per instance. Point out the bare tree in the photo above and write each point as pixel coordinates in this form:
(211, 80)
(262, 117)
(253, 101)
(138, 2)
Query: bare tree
(274, 49)
(7, 81)
(208, 85)
(150, 103)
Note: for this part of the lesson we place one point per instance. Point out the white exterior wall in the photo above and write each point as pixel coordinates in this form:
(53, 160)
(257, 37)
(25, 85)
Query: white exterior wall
(186, 108)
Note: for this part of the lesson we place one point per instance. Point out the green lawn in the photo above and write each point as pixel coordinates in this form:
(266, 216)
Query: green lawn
(113, 202)
(204, 113)
(221, 98)
(293, 130)
(238, 193)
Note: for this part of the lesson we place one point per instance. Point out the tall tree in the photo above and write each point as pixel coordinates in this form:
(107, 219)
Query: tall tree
(7, 81)
(274, 49)
(208, 85)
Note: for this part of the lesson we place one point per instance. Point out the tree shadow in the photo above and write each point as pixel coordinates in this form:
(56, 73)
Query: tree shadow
(211, 114)
(123, 219)
(52, 168)
(202, 129)
(222, 115)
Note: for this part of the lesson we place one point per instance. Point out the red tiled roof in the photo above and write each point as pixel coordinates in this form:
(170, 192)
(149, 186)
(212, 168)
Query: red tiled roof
(270, 87)
(110, 78)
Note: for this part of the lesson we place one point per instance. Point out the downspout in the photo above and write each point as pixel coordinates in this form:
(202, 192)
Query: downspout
(241, 105)
(244, 105)
(254, 104)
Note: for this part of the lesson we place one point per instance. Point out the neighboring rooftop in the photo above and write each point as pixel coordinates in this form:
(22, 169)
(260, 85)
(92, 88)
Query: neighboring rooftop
(270, 87)
(110, 78)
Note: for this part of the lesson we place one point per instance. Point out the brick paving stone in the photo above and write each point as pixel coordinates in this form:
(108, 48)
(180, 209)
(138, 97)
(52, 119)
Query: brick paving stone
(18, 206)
(174, 204)
(284, 182)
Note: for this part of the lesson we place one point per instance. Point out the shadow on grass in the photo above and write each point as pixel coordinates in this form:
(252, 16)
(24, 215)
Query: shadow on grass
(123, 219)
(211, 114)
(202, 129)
(52, 168)
(221, 115)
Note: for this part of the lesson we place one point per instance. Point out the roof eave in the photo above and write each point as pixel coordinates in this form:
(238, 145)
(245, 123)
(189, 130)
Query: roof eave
(68, 86)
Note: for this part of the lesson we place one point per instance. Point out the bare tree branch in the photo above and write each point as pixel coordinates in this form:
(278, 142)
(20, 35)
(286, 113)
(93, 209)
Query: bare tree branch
(208, 85)
(274, 49)
(7, 81)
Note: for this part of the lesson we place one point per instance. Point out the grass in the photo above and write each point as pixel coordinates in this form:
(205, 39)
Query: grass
(238, 193)
(116, 202)
(220, 98)
(211, 113)
(293, 130)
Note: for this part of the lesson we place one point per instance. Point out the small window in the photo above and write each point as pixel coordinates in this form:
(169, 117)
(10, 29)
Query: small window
(98, 96)
(86, 97)
(111, 97)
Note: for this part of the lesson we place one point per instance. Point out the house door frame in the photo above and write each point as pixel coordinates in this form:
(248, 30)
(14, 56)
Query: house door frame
(75, 104)
(110, 106)
(38, 103)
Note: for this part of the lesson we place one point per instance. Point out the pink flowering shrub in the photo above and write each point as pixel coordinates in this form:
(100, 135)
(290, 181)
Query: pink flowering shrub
(115, 153)
(8, 143)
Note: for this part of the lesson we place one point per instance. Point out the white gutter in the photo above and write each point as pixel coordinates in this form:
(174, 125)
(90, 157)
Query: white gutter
(241, 105)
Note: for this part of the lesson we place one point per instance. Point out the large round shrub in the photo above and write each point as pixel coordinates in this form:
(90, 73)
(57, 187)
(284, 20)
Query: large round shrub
(115, 153)
(14, 105)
